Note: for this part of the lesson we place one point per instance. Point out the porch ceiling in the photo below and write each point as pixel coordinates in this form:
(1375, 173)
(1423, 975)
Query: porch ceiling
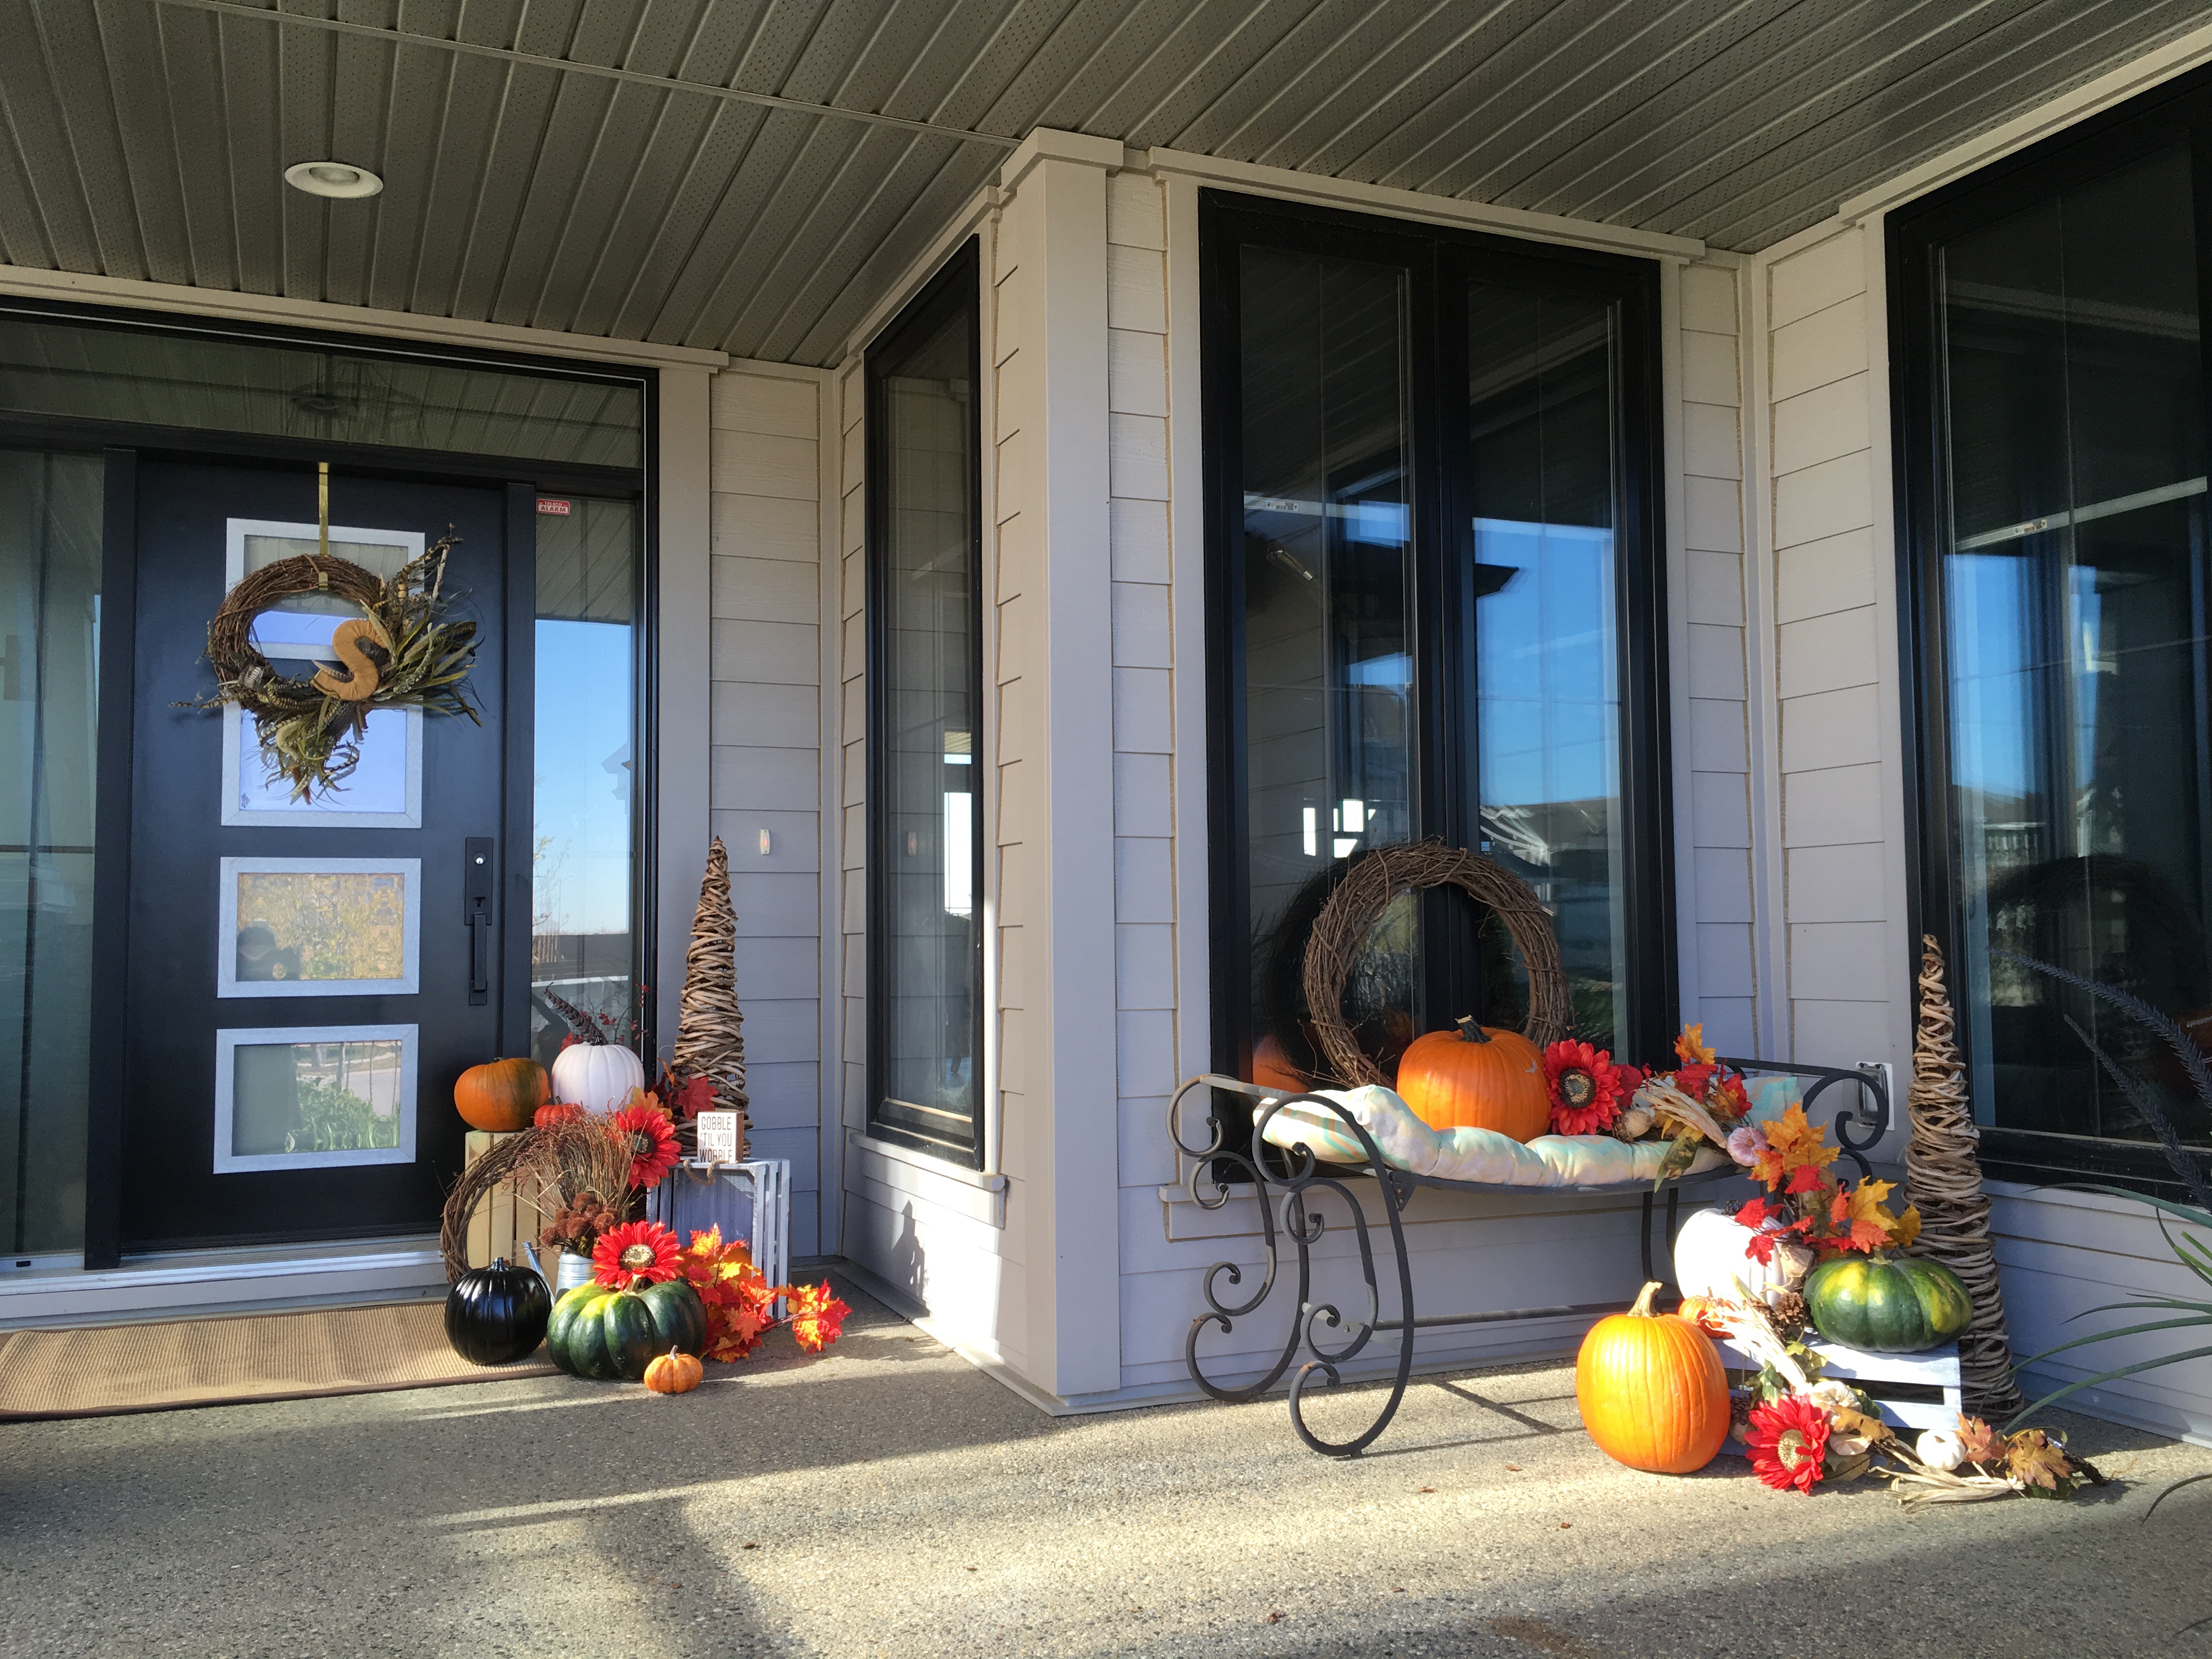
(649, 178)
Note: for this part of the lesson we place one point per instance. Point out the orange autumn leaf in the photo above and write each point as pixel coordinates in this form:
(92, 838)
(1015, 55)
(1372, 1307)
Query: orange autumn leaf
(1690, 1047)
(1792, 1144)
(817, 1315)
(1869, 1224)
(1906, 1227)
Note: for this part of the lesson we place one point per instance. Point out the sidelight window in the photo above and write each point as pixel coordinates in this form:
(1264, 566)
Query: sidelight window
(925, 673)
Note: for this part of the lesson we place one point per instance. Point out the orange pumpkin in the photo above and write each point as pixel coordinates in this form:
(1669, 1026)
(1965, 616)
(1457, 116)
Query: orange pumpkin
(674, 1373)
(1477, 1079)
(1271, 1069)
(1699, 1311)
(1651, 1390)
(500, 1095)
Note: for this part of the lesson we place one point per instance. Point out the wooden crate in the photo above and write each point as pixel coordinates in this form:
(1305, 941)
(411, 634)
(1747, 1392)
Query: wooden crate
(1880, 1374)
(507, 1218)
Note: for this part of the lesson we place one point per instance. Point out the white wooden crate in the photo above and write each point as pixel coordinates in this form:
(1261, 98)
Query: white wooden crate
(1938, 1368)
(748, 1201)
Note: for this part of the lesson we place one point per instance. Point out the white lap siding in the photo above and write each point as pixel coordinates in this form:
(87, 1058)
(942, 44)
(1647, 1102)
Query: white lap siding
(766, 665)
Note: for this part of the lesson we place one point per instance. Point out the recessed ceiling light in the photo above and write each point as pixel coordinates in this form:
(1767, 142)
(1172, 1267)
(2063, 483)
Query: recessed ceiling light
(338, 179)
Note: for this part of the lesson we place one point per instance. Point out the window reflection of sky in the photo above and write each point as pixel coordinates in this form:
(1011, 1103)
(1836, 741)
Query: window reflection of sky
(1545, 658)
(583, 710)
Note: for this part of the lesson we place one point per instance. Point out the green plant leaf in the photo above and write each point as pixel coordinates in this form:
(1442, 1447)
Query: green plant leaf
(2105, 1376)
(2169, 1492)
(2107, 1336)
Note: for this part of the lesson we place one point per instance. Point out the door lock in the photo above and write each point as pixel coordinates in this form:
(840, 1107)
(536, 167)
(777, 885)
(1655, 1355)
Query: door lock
(478, 856)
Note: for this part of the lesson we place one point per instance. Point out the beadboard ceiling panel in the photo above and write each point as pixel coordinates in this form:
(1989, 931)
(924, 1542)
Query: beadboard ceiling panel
(657, 169)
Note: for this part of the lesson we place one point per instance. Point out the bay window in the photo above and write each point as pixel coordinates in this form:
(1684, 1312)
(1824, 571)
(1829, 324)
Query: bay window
(1435, 610)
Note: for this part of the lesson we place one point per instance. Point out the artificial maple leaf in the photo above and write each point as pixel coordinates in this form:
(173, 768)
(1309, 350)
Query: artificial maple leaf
(1907, 1228)
(1871, 1223)
(817, 1315)
(1690, 1047)
(739, 1332)
(1805, 1178)
(1983, 1445)
(1792, 1144)
(2032, 1456)
(1755, 1213)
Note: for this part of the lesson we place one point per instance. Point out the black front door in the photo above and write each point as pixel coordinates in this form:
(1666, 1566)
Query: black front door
(304, 982)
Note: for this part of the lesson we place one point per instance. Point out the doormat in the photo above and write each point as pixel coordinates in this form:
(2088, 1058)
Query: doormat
(227, 1361)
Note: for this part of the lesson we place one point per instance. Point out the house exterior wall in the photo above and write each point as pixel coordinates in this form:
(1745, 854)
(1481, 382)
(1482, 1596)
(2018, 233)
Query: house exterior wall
(1095, 733)
(764, 624)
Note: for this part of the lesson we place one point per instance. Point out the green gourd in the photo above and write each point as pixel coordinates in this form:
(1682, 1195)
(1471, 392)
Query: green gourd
(603, 1334)
(1887, 1304)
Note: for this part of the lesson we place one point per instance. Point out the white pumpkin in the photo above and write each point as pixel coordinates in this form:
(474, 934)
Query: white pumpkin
(597, 1076)
(1713, 1248)
(1940, 1449)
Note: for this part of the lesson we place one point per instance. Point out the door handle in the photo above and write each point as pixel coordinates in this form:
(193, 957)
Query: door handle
(478, 857)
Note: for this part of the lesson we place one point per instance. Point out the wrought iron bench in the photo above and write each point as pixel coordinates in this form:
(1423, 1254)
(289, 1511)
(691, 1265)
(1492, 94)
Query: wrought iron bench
(1221, 1170)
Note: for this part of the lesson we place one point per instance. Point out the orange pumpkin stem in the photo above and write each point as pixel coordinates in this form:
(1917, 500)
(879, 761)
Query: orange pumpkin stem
(1642, 1310)
(1471, 1029)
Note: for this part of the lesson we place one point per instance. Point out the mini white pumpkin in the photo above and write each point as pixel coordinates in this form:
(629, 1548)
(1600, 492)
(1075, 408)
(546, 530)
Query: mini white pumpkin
(1940, 1449)
(597, 1076)
(1713, 1248)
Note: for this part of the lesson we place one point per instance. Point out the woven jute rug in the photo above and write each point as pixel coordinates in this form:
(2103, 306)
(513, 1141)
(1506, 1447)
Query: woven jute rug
(214, 1361)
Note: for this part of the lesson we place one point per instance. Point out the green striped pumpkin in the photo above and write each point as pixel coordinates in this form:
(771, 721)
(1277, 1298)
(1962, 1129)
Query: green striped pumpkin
(1887, 1304)
(598, 1332)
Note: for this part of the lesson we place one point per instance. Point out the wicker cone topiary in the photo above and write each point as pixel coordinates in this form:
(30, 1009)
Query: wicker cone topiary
(709, 1031)
(1369, 885)
(1943, 1180)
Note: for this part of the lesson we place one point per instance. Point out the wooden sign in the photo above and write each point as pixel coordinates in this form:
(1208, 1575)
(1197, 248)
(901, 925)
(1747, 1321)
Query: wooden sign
(718, 1137)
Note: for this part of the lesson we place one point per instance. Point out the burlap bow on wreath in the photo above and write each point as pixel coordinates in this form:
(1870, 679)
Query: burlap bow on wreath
(396, 654)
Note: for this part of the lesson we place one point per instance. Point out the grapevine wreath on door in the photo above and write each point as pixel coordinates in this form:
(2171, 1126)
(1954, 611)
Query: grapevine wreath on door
(397, 654)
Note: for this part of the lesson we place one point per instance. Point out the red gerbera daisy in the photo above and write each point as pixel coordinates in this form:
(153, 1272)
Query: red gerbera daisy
(652, 1148)
(1788, 1443)
(636, 1253)
(1585, 1087)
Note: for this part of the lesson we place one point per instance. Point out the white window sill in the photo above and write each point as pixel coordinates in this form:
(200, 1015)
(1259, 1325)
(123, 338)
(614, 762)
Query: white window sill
(980, 1194)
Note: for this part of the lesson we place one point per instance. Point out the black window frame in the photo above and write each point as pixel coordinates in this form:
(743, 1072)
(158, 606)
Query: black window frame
(955, 288)
(2178, 113)
(1440, 260)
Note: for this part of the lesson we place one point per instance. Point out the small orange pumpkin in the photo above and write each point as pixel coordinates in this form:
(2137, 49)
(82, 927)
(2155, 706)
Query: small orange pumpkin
(1651, 1390)
(500, 1095)
(674, 1373)
(1699, 1310)
(1477, 1079)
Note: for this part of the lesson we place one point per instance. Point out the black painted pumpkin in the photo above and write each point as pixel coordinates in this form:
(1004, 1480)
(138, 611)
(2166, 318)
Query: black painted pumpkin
(496, 1316)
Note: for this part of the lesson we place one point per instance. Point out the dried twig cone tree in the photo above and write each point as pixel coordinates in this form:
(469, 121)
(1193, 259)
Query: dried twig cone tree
(709, 1031)
(1943, 1178)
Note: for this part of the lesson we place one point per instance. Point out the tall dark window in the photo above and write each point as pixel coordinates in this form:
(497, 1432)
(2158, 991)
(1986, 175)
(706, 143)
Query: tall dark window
(1435, 612)
(925, 698)
(2052, 399)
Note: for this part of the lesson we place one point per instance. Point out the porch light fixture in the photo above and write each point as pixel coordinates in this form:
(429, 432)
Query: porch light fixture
(340, 180)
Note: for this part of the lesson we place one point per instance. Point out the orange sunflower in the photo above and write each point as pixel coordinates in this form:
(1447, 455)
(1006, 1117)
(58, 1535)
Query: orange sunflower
(652, 1148)
(636, 1253)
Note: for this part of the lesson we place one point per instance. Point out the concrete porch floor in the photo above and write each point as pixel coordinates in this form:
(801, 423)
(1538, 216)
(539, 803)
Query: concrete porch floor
(889, 1498)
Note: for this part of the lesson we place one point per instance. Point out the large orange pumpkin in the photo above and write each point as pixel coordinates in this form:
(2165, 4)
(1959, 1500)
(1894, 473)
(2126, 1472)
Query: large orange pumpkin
(1651, 1390)
(501, 1094)
(1476, 1078)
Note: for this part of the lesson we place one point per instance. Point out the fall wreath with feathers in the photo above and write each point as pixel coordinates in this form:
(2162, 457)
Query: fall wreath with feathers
(397, 654)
